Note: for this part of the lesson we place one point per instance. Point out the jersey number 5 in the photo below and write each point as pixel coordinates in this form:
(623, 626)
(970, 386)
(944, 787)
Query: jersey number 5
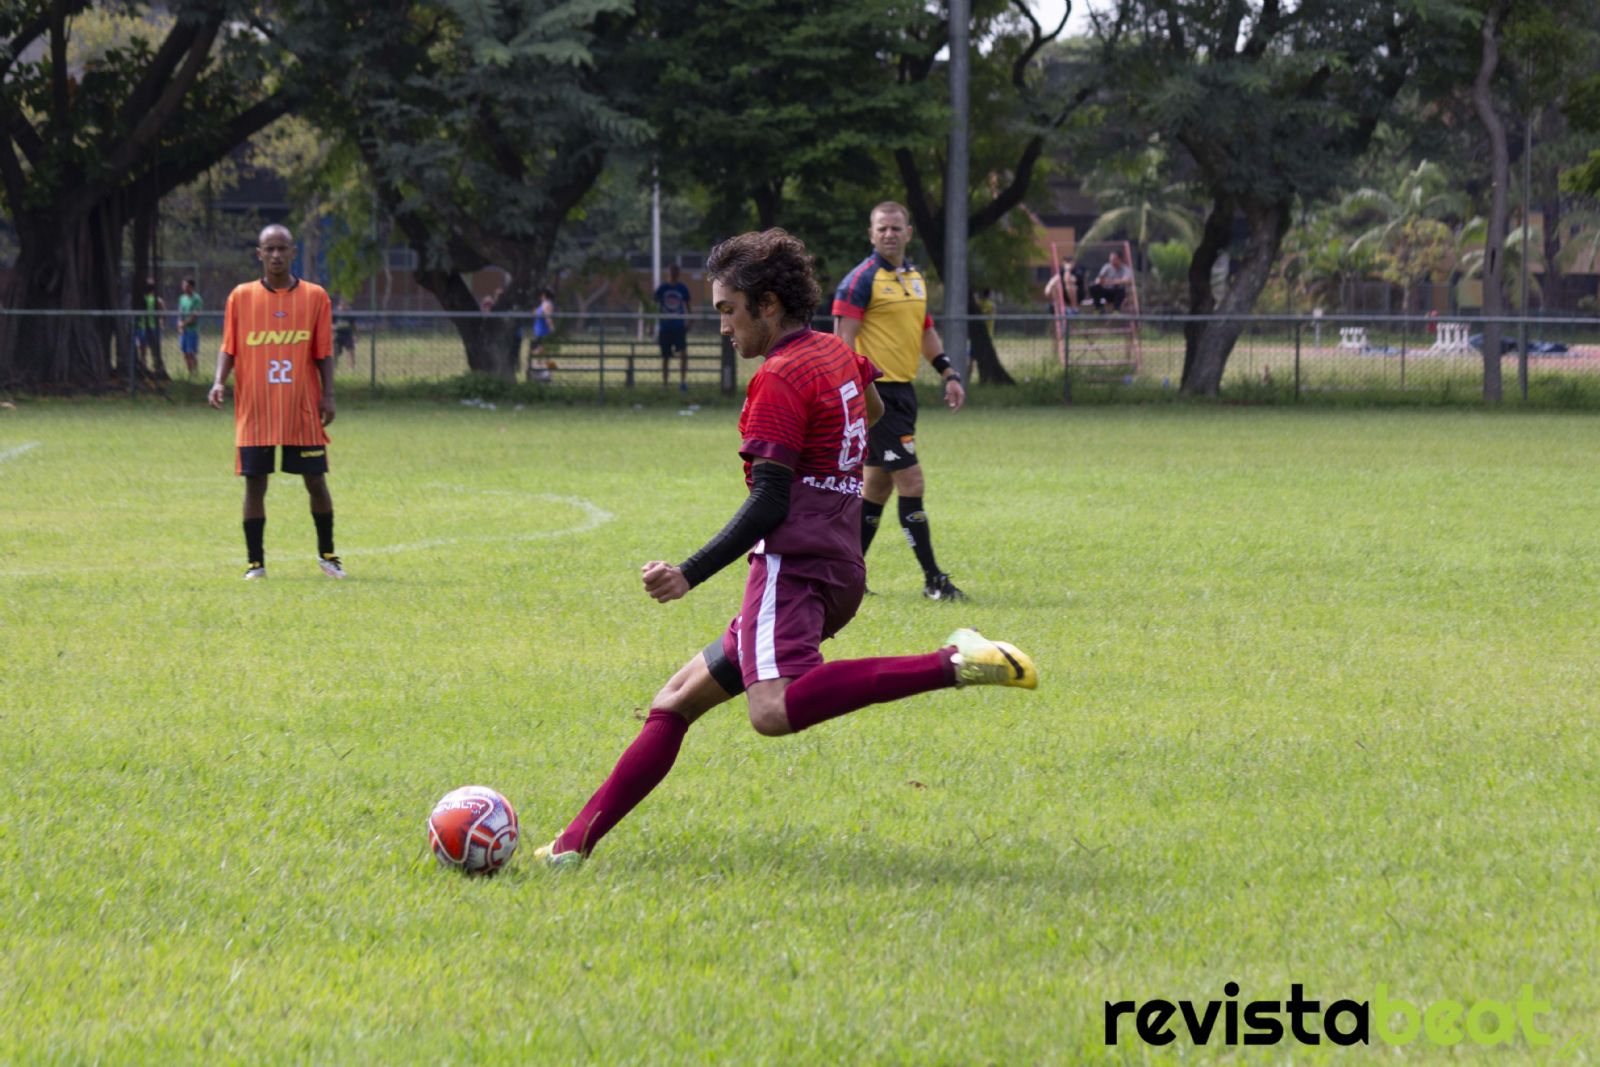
(854, 447)
(279, 371)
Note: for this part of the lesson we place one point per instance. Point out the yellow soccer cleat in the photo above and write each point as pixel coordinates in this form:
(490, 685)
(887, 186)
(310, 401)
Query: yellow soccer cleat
(980, 661)
(547, 856)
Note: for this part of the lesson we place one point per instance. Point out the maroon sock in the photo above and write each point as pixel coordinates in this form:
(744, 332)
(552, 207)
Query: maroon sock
(844, 685)
(641, 768)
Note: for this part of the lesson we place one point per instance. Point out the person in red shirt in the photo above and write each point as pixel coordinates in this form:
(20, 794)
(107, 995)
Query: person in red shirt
(803, 435)
(277, 333)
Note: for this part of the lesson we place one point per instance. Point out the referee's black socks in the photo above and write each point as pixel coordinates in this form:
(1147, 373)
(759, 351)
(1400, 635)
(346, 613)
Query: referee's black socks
(870, 514)
(914, 521)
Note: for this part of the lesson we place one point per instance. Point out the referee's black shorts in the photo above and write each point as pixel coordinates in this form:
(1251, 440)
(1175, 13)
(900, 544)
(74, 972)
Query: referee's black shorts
(892, 441)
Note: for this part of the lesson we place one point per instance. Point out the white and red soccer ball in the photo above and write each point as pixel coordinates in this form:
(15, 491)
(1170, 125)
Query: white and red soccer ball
(473, 829)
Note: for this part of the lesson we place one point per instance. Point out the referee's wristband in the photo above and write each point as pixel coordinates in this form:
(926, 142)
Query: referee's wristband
(941, 363)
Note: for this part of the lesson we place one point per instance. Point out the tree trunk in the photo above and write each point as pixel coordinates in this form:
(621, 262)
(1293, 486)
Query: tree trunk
(1269, 222)
(984, 357)
(490, 340)
(768, 199)
(64, 266)
(1214, 240)
(1495, 239)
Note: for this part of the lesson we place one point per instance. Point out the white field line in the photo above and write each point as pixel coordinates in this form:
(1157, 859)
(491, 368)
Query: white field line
(593, 518)
(14, 452)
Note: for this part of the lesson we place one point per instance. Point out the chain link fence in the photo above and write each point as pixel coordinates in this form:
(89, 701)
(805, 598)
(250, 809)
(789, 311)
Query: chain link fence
(1419, 357)
(1083, 357)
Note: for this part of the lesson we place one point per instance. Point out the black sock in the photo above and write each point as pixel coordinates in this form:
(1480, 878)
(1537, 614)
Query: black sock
(914, 521)
(870, 514)
(324, 521)
(254, 529)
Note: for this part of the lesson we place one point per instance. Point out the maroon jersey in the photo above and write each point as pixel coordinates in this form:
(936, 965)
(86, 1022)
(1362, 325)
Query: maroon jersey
(806, 408)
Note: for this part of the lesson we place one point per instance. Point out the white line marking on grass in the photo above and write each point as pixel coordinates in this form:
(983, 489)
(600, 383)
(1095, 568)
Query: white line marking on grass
(13, 453)
(594, 517)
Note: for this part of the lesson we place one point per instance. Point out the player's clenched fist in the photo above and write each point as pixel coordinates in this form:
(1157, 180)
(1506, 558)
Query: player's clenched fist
(663, 581)
(214, 398)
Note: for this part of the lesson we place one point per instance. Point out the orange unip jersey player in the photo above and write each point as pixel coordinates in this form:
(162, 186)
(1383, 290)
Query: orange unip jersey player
(278, 334)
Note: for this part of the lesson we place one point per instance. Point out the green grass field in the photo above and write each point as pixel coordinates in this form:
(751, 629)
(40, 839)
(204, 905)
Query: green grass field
(1318, 706)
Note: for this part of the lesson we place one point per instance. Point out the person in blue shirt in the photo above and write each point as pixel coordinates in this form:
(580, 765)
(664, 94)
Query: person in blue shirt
(672, 301)
(543, 326)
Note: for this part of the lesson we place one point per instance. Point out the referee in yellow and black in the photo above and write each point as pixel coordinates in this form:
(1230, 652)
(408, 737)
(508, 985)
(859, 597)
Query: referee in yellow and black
(881, 310)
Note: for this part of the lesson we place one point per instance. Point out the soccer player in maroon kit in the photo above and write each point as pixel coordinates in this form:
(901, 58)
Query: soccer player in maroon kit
(804, 434)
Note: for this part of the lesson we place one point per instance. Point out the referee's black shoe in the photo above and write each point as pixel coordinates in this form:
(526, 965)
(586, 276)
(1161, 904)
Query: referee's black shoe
(940, 587)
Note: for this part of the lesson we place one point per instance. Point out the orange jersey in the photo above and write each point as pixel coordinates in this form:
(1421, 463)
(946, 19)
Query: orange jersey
(278, 338)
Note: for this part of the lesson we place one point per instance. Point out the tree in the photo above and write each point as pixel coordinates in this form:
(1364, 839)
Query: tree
(787, 125)
(1418, 250)
(481, 127)
(1169, 267)
(1321, 261)
(1582, 109)
(86, 149)
(1493, 267)
(1271, 102)
(1424, 193)
(1408, 235)
(1524, 240)
(613, 222)
(1138, 198)
(1020, 105)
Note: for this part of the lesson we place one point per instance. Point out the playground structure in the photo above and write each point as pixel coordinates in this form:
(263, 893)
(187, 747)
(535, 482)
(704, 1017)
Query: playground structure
(1108, 347)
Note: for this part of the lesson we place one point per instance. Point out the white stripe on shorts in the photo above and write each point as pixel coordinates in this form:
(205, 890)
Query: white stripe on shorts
(767, 622)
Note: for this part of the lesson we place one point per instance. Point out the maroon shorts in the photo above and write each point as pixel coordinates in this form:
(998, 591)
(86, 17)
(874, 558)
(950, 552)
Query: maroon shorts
(791, 605)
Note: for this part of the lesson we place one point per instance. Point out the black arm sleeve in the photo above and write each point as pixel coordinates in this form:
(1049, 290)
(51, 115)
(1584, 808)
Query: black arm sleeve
(762, 511)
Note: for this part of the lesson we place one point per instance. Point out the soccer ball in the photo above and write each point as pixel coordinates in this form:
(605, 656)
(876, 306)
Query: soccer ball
(473, 829)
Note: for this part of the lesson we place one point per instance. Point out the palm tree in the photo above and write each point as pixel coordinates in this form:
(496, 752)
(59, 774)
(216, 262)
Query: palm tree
(1424, 193)
(1580, 253)
(1470, 253)
(1407, 233)
(1322, 264)
(1143, 203)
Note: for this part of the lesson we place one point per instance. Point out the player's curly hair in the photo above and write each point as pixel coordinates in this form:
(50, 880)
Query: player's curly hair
(772, 261)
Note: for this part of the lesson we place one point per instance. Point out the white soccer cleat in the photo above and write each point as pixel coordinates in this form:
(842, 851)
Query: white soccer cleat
(255, 571)
(331, 566)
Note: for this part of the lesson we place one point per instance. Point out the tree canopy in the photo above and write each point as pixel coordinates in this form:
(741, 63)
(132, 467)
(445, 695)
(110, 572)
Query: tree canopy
(91, 142)
(1272, 103)
(481, 127)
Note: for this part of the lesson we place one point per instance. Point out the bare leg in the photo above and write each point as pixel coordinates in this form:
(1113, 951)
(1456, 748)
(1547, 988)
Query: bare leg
(255, 495)
(317, 489)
